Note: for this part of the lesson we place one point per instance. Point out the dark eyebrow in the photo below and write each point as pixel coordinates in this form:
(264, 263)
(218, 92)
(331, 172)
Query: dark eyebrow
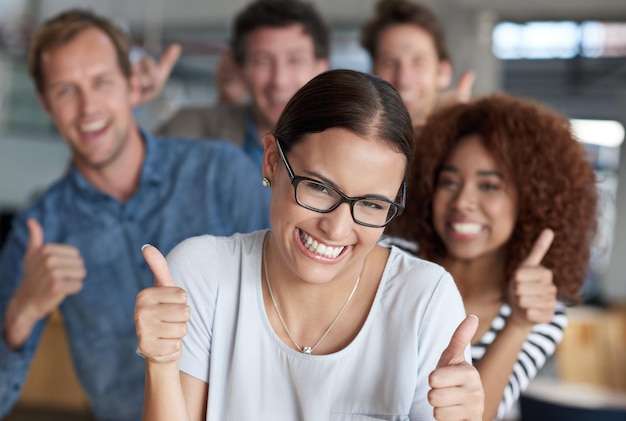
(490, 174)
(484, 173)
(334, 186)
(321, 177)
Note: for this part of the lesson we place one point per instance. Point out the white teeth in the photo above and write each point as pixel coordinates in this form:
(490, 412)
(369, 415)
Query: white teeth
(318, 248)
(467, 227)
(93, 126)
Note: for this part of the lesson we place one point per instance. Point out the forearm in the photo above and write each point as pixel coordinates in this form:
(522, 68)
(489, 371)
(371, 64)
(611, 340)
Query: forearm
(496, 366)
(14, 367)
(164, 399)
(19, 321)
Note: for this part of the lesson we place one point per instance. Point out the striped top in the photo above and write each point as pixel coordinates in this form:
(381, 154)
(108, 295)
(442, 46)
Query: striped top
(536, 350)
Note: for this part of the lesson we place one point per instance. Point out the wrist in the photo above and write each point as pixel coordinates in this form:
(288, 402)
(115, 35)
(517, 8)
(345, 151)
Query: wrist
(19, 320)
(519, 324)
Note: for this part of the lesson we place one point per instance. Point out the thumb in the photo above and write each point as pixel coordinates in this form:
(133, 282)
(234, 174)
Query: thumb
(158, 266)
(35, 235)
(168, 59)
(540, 248)
(465, 85)
(455, 352)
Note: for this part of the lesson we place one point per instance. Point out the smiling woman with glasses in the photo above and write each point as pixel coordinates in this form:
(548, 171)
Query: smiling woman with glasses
(370, 211)
(313, 320)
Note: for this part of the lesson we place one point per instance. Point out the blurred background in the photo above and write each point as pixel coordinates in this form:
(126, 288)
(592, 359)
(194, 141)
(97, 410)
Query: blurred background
(570, 54)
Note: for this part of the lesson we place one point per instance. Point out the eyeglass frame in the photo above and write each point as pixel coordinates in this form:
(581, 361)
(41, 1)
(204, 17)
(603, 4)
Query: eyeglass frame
(296, 179)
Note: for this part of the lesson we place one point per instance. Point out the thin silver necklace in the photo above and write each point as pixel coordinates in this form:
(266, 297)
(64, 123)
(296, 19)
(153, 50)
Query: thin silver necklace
(304, 349)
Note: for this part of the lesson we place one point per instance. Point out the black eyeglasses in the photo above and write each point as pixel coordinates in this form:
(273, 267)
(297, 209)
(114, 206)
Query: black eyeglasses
(370, 211)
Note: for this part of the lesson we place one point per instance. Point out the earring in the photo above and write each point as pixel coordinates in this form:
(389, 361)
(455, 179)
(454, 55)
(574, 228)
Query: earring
(266, 182)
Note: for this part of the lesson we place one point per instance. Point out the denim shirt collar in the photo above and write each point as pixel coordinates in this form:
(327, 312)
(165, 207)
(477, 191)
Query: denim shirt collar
(149, 169)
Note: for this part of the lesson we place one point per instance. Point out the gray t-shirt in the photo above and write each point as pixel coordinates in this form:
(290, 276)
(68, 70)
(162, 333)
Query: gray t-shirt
(382, 374)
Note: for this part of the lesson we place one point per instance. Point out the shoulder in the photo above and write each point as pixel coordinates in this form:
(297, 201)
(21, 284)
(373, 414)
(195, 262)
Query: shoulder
(197, 113)
(407, 272)
(204, 262)
(405, 245)
(48, 202)
(201, 122)
(406, 263)
(221, 151)
(205, 249)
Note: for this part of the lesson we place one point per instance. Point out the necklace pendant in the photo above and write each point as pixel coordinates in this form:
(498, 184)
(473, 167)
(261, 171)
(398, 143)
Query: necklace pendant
(307, 350)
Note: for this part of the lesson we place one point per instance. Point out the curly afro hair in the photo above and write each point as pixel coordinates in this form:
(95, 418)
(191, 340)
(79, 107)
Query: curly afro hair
(542, 160)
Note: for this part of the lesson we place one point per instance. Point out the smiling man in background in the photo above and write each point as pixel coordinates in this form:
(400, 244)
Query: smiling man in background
(78, 247)
(278, 46)
(406, 42)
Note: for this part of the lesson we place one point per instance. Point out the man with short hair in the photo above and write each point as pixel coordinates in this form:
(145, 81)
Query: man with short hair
(278, 46)
(78, 247)
(407, 44)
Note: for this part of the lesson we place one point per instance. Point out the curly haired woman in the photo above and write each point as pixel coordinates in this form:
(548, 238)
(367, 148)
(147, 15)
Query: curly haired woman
(502, 196)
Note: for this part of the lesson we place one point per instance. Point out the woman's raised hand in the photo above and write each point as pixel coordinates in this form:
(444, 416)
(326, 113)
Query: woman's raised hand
(161, 313)
(456, 389)
(532, 294)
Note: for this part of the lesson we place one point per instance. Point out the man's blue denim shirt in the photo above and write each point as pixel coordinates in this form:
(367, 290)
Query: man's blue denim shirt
(252, 145)
(187, 188)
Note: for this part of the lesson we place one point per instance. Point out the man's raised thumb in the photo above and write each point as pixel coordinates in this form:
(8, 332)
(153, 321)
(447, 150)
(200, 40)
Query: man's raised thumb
(35, 235)
(455, 352)
(158, 266)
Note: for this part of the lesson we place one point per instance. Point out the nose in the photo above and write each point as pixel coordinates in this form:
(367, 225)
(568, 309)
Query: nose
(280, 74)
(87, 100)
(465, 198)
(403, 76)
(338, 222)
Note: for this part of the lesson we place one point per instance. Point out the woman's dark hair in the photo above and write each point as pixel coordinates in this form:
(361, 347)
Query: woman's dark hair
(359, 102)
(540, 159)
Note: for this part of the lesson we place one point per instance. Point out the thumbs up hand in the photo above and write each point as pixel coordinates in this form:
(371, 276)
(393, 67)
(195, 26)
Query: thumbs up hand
(532, 294)
(462, 92)
(153, 75)
(51, 273)
(161, 313)
(456, 389)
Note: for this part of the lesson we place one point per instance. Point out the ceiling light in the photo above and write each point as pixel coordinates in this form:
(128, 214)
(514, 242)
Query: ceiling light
(608, 133)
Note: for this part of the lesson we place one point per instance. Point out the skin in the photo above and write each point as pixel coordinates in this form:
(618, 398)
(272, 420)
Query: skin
(90, 101)
(278, 62)
(309, 289)
(472, 195)
(153, 75)
(474, 214)
(407, 58)
(231, 88)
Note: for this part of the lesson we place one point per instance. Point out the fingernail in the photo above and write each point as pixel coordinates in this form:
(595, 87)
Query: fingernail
(474, 316)
(144, 246)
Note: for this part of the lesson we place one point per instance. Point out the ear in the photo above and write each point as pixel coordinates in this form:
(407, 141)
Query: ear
(444, 75)
(271, 159)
